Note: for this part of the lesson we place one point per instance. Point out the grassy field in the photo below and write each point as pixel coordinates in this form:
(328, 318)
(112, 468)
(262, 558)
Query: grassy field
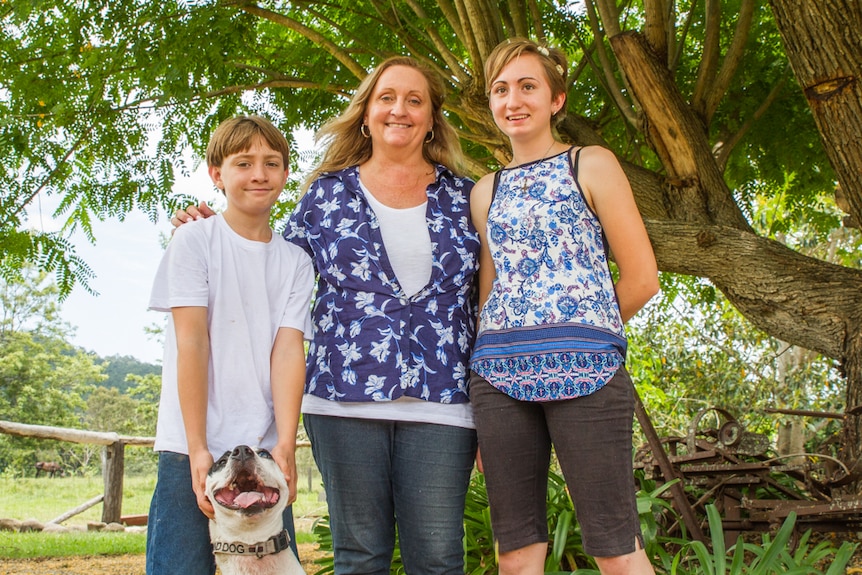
(32, 545)
(44, 499)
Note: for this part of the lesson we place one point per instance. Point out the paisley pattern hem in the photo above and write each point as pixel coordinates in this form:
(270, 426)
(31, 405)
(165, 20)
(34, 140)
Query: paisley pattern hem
(549, 376)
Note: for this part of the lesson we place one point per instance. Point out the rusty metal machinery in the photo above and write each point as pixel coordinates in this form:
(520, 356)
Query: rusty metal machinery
(721, 462)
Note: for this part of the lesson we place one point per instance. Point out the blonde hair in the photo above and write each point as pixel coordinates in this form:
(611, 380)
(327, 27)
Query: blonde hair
(346, 146)
(237, 134)
(553, 62)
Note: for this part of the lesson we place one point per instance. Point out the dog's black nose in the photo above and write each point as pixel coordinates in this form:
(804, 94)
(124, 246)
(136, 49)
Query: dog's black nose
(242, 452)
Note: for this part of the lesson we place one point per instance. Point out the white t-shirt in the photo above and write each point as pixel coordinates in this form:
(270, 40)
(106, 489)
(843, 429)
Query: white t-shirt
(408, 246)
(250, 290)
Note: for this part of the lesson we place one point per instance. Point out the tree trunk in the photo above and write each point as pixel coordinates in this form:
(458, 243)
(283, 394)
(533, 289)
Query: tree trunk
(695, 189)
(852, 443)
(823, 41)
(698, 230)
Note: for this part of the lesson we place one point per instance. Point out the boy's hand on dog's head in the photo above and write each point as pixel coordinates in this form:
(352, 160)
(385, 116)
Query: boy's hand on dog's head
(200, 465)
(285, 457)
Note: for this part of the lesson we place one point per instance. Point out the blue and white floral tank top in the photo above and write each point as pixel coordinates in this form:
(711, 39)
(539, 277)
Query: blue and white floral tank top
(551, 327)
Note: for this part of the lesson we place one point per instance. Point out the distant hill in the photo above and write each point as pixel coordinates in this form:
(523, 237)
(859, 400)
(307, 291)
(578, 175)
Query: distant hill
(118, 366)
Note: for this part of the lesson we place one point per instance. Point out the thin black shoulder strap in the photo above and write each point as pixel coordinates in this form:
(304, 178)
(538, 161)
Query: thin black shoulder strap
(574, 167)
(574, 164)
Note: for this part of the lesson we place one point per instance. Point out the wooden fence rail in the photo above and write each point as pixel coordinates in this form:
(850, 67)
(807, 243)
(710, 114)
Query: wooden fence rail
(113, 456)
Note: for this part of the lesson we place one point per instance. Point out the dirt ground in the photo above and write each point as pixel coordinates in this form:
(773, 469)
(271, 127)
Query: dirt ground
(134, 564)
(113, 565)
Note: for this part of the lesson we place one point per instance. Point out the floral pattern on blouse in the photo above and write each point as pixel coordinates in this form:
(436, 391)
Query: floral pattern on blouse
(550, 327)
(371, 342)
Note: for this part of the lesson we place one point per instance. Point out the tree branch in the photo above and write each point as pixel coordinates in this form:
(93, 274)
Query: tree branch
(454, 64)
(607, 9)
(679, 46)
(697, 190)
(331, 48)
(610, 80)
(724, 149)
(709, 60)
(16, 211)
(656, 25)
(519, 19)
(536, 16)
(451, 14)
(801, 300)
(279, 83)
(485, 29)
(732, 59)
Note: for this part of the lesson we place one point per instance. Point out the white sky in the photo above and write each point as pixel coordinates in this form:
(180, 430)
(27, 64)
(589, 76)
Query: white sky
(124, 260)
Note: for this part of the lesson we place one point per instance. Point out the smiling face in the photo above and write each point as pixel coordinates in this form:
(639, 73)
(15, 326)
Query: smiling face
(245, 480)
(399, 112)
(252, 179)
(521, 98)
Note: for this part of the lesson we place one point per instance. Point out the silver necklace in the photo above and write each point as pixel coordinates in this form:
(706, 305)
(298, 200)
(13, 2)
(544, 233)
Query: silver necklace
(526, 184)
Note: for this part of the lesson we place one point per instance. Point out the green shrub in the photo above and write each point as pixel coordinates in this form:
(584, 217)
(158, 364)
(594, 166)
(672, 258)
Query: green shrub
(776, 555)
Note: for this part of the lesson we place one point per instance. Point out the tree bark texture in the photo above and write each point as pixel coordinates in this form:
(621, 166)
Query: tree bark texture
(696, 228)
(823, 41)
(808, 302)
(696, 190)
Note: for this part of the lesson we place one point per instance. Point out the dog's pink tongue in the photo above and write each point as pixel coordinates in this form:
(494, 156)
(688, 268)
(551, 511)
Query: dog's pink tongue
(249, 498)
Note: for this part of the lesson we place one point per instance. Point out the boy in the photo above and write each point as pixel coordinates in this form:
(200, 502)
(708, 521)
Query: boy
(234, 365)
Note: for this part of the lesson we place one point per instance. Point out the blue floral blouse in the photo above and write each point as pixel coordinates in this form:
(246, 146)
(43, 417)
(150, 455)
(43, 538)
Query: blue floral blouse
(371, 342)
(551, 327)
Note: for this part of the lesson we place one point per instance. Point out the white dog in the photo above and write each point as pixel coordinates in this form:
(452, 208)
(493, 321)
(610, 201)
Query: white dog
(249, 493)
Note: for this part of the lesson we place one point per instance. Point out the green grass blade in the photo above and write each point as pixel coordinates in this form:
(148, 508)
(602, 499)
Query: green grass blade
(716, 530)
(842, 557)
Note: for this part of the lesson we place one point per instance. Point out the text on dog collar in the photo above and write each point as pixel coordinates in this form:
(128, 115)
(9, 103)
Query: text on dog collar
(271, 546)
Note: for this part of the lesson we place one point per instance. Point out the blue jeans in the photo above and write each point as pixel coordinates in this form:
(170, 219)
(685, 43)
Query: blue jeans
(379, 473)
(178, 537)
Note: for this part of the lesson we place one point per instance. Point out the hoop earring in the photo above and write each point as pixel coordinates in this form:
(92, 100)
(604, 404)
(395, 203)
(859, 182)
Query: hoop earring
(363, 129)
(429, 139)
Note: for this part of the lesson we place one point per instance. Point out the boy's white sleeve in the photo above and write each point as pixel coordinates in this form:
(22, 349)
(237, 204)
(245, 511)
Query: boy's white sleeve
(181, 278)
(297, 313)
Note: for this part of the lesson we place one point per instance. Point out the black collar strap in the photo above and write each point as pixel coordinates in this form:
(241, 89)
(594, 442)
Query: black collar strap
(271, 546)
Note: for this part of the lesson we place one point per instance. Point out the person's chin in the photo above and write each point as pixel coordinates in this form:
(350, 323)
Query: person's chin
(405, 140)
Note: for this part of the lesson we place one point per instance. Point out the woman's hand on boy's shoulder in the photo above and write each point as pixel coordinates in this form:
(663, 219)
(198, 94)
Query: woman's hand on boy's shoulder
(191, 213)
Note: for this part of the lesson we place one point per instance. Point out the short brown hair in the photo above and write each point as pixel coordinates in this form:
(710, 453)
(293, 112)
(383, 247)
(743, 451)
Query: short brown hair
(553, 62)
(237, 134)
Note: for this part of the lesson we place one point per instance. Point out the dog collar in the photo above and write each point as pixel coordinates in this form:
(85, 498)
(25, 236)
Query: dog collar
(271, 546)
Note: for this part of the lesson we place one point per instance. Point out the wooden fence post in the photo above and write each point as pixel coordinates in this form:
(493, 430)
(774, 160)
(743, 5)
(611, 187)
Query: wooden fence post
(112, 473)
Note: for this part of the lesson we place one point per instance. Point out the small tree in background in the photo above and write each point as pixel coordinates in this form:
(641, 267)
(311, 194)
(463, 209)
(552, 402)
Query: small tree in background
(43, 379)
